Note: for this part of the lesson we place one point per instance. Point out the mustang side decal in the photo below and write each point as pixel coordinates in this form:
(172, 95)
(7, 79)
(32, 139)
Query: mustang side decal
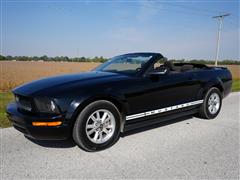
(162, 110)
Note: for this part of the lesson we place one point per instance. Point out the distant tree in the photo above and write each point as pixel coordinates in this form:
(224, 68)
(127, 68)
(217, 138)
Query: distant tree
(65, 58)
(44, 58)
(83, 59)
(9, 58)
(102, 59)
(2, 58)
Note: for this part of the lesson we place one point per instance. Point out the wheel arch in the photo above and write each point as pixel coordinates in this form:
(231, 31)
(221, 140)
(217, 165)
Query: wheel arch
(220, 87)
(210, 84)
(78, 105)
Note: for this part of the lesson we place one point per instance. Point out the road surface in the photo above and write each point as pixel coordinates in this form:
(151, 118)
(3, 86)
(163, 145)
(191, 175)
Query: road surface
(189, 149)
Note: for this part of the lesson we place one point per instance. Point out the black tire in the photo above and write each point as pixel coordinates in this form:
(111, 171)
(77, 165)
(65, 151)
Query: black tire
(204, 111)
(79, 130)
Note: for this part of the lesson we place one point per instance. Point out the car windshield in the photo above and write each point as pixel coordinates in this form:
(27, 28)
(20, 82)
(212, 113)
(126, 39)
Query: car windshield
(126, 64)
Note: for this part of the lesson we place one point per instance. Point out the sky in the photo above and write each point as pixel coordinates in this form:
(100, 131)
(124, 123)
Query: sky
(176, 29)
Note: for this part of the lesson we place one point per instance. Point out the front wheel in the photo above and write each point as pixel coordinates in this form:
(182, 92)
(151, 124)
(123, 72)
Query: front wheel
(97, 126)
(211, 105)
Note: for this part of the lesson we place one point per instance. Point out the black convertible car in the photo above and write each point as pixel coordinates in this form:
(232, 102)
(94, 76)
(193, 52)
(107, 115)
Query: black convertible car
(126, 92)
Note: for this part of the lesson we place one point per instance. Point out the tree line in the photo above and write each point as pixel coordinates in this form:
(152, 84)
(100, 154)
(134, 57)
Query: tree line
(57, 58)
(102, 59)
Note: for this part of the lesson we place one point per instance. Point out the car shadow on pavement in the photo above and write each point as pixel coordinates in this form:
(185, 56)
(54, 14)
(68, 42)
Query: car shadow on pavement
(157, 125)
(53, 143)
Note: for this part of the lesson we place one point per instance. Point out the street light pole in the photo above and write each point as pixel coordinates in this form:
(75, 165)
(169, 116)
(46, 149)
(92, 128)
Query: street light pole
(220, 18)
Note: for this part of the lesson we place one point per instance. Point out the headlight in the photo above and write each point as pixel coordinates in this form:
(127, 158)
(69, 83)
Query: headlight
(46, 105)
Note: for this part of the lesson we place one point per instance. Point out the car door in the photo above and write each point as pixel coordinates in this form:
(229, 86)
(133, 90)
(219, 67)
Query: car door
(167, 90)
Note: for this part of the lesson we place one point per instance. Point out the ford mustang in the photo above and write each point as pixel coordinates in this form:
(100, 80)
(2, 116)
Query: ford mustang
(126, 92)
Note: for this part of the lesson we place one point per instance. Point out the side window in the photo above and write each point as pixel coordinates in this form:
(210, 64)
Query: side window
(158, 65)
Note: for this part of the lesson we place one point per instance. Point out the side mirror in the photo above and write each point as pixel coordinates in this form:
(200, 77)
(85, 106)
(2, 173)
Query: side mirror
(161, 72)
(156, 75)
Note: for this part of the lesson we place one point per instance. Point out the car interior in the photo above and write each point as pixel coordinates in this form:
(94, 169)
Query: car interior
(176, 67)
(172, 67)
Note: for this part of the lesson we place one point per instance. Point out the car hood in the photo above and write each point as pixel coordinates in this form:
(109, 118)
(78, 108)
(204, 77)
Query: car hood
(69, 80)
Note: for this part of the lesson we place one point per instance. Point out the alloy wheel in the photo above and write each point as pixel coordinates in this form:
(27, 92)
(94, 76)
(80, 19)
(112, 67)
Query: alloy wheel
(100, 126)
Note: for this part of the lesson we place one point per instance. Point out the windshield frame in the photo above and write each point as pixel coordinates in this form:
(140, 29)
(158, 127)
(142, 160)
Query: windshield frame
(155, 57)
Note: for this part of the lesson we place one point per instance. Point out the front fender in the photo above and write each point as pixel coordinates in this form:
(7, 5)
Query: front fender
(80, 103)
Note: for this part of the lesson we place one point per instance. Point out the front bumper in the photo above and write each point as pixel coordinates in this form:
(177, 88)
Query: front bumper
(23, 123)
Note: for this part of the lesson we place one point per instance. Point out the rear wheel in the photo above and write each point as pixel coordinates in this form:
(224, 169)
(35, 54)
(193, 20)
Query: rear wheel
(97, 126)
(212, 104)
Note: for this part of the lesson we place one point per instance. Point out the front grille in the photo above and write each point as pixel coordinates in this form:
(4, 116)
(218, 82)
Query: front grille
(23, 103)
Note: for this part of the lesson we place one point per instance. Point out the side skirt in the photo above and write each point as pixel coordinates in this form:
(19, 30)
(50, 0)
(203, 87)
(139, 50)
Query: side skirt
(156, 120)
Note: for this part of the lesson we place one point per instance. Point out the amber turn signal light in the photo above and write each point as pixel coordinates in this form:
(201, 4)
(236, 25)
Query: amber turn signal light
(56, 123)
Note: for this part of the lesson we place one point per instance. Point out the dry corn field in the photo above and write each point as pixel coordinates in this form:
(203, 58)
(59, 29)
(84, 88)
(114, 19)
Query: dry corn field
(15, 73)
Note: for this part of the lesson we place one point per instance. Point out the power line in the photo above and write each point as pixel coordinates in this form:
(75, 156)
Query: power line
(193, 8)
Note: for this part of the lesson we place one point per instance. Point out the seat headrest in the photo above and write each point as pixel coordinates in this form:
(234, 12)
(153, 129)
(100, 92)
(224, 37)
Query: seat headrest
(186, 67)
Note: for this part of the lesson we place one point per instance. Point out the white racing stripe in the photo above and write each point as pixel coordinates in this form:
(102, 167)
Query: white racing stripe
(158, 111)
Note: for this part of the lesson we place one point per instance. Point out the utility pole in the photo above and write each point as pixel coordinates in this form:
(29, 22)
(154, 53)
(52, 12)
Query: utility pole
(220, 18)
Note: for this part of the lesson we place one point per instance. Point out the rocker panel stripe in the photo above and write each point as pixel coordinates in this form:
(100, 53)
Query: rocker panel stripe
(162, 110)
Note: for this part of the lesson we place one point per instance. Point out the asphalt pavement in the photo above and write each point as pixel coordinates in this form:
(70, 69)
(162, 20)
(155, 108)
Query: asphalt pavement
(181, 149)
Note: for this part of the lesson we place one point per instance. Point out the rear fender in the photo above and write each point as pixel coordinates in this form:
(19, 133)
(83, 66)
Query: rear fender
(217, 82)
